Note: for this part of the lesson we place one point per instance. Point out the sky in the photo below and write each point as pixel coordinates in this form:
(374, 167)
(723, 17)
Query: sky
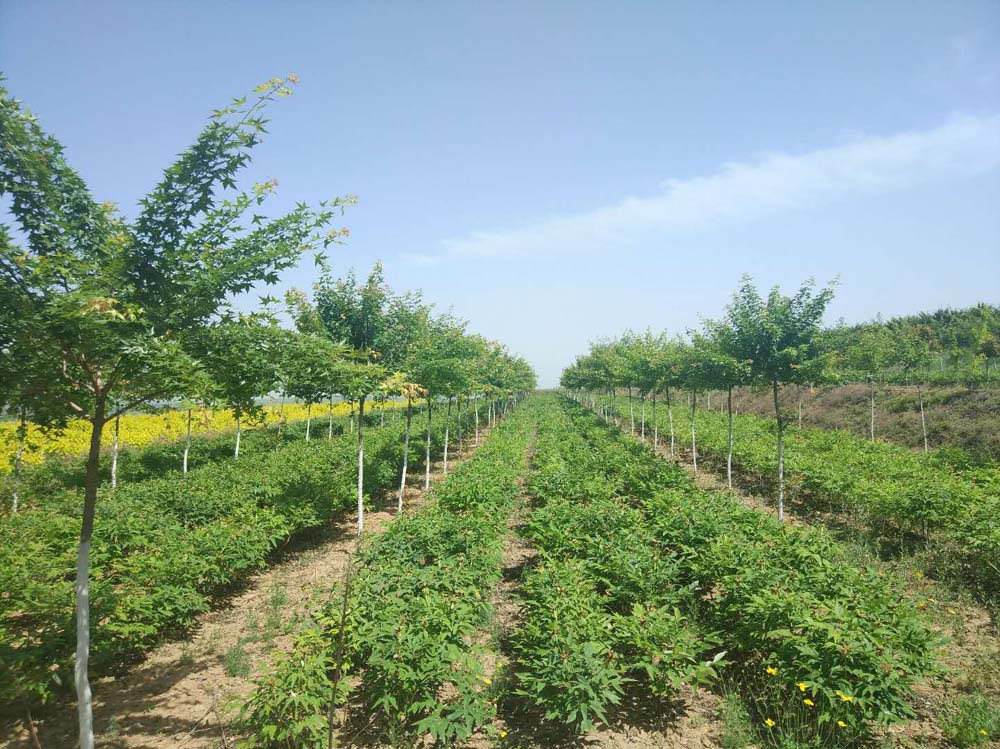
(558, 172)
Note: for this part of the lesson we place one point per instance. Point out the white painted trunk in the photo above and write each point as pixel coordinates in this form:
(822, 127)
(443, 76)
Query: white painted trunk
(694, 441)
(361, 466)
(873, 409)
(447, 422)
(187, 442)
(427, 456)
(729, 458)
(923, 421)
(309, 407)
(114, 454)
(84, 698)
(329, 427)
(476, 404)
(239, 432)
(670, 419)
(22, 431)
(781, 454)
(642, 420)
(656, 426)
(406, 456)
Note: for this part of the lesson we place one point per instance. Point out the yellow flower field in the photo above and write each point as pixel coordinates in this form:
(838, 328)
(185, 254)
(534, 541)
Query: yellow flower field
(139, 430)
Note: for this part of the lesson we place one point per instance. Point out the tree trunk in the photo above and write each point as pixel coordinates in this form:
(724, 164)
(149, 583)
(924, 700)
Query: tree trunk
(381, 413)
(729, 459)
(309, 410)
(447, 422)
(656, 426)
(361, 465)
(239, 432)
(187, 441)
(799, 392)
(114, 454)
(923, 421)
(85, 708)
(352, 417)
(781, 454)
(476, 407)
(406, 455)
(872, 382)
(642, 419)
(22, 432)
(694, 443)
(427, 456)
(670, 419)
(329, 427)
(631, 412)
(281, 412)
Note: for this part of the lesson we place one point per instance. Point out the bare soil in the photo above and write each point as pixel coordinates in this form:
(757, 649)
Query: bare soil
(185, 693)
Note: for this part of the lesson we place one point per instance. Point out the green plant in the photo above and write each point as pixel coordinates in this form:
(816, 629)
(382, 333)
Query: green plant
(736, 731)
(972, 720)
(236, 661)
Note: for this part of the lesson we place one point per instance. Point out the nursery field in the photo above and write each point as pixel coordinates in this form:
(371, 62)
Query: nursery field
(638, 583)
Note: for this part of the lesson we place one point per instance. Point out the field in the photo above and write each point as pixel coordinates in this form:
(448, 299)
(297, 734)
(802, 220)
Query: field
(777, 530)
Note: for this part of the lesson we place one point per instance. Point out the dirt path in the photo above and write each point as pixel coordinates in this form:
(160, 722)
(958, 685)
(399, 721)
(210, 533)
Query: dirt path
(183, 694)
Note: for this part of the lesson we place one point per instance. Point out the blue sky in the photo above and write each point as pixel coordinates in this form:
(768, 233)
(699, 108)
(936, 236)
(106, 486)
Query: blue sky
(556, 172)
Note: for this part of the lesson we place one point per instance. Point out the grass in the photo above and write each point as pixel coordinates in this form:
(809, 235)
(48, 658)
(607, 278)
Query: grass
(236, 661)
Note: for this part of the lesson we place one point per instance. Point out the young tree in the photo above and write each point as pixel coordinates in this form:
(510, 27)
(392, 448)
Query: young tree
(356, 316)
(242, 355)
(724, 372)
(870, 355)
(411, 391)
(105, 302)
(307, 362)
(777, 339)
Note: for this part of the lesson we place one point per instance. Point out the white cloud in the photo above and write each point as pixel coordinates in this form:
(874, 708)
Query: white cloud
(772, 183)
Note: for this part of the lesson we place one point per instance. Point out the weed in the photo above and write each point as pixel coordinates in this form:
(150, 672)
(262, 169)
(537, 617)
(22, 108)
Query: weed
(237, 661)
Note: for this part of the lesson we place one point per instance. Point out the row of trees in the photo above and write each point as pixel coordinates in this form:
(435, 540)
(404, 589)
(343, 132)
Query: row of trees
(101, 313)
(768, 342)
(761, 341)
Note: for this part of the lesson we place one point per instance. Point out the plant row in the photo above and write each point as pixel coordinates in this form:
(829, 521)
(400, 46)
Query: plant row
(891, 491)
(603, 606)
(403, 637)
(162, 548)
(820, 649)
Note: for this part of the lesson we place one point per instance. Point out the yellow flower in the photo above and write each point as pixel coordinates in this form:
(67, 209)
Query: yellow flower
(808, 702)
(918, 574)
(503, 734)
(802, 686)
(844, 697)
(769, 723)
(842, 724)
(952, 611)
(487, 680)
(932, 600)
(982, 732)
(772, 670)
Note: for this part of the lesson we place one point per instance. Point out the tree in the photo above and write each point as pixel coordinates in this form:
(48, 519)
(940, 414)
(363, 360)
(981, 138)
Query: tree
(724, 372)
(105, 302)
(242, 355)
(870, 354)
(777, 339)
(913, 355)
(307, 365)
(356, 316)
